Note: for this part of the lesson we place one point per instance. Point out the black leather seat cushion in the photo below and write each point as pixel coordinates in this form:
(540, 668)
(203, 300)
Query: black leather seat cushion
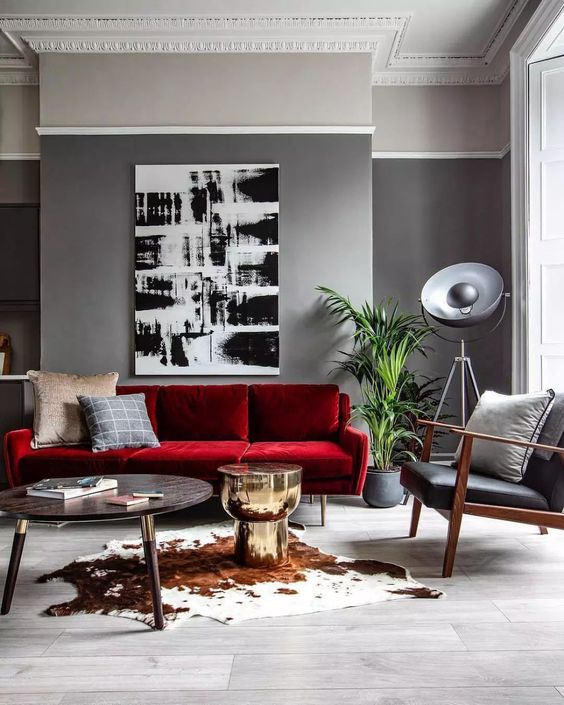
(434, 485)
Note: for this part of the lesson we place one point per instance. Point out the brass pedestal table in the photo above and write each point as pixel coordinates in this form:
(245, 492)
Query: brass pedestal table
(261, 497)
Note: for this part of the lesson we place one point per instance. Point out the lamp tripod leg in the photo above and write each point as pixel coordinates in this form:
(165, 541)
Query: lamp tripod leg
(472, 377)
(445, 390)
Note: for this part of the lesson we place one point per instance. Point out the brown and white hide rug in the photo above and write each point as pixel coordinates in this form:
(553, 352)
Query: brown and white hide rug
(200, 577)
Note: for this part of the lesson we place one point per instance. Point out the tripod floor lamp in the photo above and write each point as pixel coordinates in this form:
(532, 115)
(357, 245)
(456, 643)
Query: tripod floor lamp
(461, 297)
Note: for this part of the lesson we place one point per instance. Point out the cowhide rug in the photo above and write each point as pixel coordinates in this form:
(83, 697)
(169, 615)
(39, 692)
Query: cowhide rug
(200, 577)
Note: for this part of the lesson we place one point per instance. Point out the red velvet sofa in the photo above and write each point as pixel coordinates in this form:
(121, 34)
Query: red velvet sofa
(201, 427)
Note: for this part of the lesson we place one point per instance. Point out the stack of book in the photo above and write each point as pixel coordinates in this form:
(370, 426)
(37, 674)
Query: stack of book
(71, 488)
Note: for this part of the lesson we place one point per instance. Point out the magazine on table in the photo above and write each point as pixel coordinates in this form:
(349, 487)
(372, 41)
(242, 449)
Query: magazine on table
(71, 488)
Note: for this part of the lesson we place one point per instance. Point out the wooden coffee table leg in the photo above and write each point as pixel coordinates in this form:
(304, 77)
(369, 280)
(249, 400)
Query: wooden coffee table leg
(15, 558)
(151, 559)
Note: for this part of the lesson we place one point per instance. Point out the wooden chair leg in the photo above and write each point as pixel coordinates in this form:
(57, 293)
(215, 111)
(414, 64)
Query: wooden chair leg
(452, 542)
(415, 514)
(457, 509)
(543, 530)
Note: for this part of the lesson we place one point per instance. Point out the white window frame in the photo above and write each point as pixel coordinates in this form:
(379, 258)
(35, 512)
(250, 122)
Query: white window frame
(541, 39)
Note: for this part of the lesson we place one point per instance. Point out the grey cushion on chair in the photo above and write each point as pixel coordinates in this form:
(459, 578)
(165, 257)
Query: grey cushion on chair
(517, 416)
(118, 422)
(433, 484)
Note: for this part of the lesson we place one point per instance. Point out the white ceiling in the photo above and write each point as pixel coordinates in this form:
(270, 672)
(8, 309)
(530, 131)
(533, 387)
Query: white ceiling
(411, 41)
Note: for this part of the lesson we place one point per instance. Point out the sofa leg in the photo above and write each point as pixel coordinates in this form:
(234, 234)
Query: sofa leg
(311, 499)
(452, 541)
(415, 514)
(323, 508)
(543, 530)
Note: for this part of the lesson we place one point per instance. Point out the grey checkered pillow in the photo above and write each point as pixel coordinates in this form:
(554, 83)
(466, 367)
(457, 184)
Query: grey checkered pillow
(118, 422)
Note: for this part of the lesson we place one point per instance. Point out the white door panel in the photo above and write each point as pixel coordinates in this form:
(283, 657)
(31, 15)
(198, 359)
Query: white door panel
(552, 94)
(545, 247)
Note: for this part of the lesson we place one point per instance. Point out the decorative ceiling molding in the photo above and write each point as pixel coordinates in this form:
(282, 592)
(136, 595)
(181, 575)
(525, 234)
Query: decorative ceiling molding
(18, 78)
(484, 58)
(439, 78)
(195, 23)
(165, 45)
(381, 35)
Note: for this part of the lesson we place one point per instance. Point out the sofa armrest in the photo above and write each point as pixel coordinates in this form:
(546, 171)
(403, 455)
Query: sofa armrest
(355, 442)
(16, 445)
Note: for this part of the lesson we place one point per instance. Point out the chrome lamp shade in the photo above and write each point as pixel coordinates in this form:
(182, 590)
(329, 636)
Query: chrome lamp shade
(462, 295)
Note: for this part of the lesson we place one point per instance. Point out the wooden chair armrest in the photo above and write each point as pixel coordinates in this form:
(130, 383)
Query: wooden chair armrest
(510, 441)
(428, 441)
(437, 424)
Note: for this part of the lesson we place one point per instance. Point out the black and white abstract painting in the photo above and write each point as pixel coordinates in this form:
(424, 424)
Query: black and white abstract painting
(206, 269)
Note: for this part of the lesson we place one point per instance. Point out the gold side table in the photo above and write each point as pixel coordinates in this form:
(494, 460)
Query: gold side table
(260, 497)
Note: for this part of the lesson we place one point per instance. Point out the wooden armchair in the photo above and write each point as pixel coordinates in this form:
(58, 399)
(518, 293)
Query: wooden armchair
(538, 499)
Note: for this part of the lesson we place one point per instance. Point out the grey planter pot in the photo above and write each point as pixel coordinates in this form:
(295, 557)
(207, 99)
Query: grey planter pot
(382, 489)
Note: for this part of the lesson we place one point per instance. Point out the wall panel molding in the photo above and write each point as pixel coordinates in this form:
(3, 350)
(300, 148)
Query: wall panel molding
(19, 156)
(212, 130)
(495, 154)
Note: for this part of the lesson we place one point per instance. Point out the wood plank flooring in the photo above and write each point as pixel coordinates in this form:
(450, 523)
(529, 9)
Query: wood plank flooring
(496, 639)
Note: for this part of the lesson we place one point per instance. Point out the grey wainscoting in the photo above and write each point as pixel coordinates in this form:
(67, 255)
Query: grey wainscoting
(87, 225)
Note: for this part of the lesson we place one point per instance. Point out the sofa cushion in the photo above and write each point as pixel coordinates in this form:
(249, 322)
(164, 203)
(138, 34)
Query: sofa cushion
(293, 412)
(151, 392)
(58, 419)
(199, 459)
(433, 484)
(203, 412)
(322, 459)
(118, 422)
(71, 461)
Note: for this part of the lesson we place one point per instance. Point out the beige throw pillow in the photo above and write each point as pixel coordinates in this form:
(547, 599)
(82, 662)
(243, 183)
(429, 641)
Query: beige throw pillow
(58, 419)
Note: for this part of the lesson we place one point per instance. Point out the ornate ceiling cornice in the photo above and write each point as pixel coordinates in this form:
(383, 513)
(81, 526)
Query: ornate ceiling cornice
(380, 35)
(18, 78)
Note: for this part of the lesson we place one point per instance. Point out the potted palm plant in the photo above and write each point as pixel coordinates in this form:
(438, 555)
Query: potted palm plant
(392, 396)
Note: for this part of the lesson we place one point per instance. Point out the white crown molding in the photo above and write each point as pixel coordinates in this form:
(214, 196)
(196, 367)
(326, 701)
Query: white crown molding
(165, 45)
(18, 78)
(16, 70)
(438, 78)
(212, 130)
(197, 23)
(496, 154)
(19, 156)
(264, 34)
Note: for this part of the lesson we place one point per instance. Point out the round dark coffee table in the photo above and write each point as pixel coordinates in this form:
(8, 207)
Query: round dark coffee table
(179, 493)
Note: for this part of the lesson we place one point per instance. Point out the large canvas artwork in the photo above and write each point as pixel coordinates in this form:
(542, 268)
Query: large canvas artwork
(206, 269)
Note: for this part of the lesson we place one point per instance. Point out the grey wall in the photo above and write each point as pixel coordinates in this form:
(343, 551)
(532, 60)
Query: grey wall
(87, 241)
(19, 116)
(428, 214)
(19, 181)
(205, 89)
(19, 187)
(437, 119)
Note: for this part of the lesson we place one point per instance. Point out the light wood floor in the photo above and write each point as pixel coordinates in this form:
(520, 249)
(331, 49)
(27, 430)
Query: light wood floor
(497, 638)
